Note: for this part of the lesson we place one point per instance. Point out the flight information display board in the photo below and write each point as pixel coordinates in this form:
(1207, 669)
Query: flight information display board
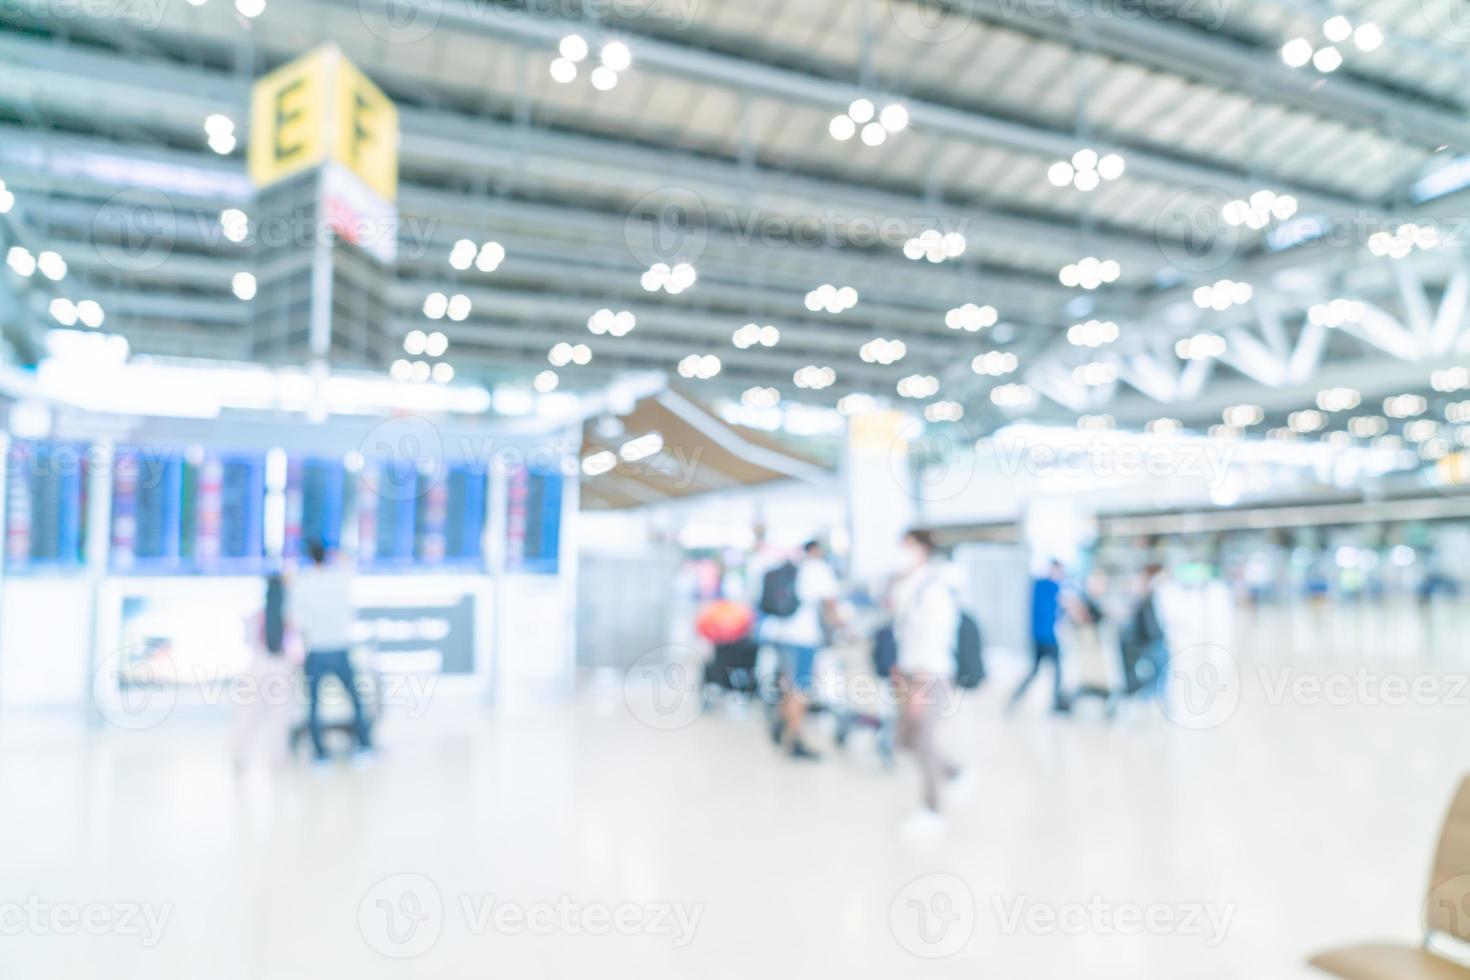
(187, 511)
(45, 505)
(410, 518)
(315, 504)
(533, 521)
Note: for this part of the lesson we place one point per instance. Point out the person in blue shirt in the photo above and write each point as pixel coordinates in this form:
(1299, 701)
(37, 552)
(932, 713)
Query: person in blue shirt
(1046, 611)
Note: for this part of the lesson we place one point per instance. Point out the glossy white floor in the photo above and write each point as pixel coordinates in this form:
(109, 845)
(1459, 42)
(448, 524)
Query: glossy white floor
(1218, 845)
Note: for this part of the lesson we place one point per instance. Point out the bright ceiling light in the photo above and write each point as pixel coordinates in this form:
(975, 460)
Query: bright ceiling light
(546, 381)
(831, 298)
(751, 334)
(459, 307)
(1086, 170)
(971, 318)
(1339, 399)
(52, 266)
(63, 311)
(604, 79)
(443, 372)
(1296, 52)
(1244, 416)
(813, 377)
(563, 71)
(490, 256)
(863, 116)
(944, 412)
(21, 261)
(641, 448)
(701, 368)
(435, 344)
(1201, 346)
(1223, 294)
(1368, 37)
(1090, 272)
(235, 225)
(89, 311)
(573, 47)
(894, 118)
(414, 342)
(1012, 396)
(994, 363)
(1092, 333)
(1327, 59)
(883, 351)
(759, 397)
(462, 256)
(250, 9)
(1338, 29)
(436, 305)
(671, 279)
(616, 56)
(400, 370)
(598, 463)
(918, 386)
(1095, 373)
(243, 285)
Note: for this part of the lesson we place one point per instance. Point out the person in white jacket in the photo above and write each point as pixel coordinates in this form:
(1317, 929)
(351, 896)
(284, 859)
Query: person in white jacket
(926, 618)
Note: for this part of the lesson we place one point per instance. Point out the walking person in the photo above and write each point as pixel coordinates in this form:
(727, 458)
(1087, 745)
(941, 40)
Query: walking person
(275, 653)
(800, 608)
(321, 608)
(1046, 611)
(926, 618)
(1146, 643)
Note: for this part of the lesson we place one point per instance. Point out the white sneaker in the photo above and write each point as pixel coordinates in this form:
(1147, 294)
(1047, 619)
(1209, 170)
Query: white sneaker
(922, 825)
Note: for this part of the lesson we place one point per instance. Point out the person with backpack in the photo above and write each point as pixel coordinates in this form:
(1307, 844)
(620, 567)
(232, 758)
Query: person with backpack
(799, 609)
(926, 627)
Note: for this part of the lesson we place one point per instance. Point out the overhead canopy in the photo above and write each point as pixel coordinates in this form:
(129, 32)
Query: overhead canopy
(690, 450)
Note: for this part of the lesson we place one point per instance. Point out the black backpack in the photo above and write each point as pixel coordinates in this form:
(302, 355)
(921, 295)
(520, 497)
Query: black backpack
(969, 664)
(778, 592)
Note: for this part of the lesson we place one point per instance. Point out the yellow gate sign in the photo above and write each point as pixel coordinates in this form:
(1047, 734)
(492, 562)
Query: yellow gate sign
(319, 108)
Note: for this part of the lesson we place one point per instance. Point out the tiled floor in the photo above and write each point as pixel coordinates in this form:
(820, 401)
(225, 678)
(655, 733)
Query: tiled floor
(1290, 823)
